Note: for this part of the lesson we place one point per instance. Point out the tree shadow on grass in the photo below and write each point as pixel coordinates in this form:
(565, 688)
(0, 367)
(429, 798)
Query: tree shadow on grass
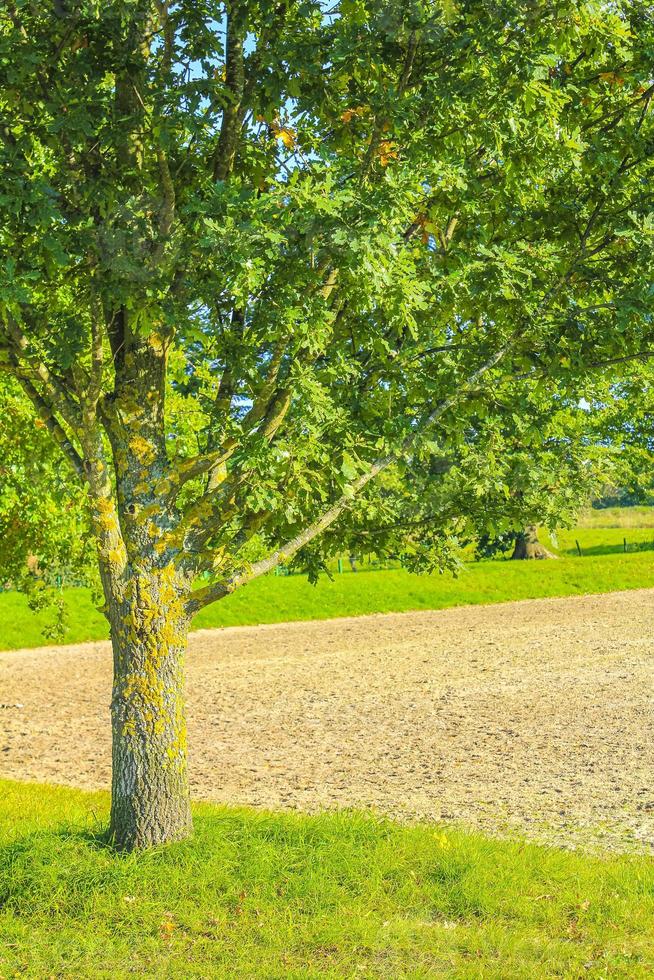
(45, 846)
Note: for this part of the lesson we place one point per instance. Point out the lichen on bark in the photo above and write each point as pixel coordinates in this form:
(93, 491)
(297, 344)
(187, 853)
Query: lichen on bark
(150, 792)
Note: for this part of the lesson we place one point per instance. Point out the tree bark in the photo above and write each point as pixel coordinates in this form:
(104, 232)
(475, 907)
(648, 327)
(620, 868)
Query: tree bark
(145, 597)
(150, 792)
(528, 546)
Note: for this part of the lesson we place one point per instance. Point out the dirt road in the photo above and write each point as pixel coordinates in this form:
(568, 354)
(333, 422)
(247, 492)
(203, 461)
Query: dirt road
(536, 715)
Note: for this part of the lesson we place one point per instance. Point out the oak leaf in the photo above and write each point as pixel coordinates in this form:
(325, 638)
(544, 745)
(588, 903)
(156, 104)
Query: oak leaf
(386, 151)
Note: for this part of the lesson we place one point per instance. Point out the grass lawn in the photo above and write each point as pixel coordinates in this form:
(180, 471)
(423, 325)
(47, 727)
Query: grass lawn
(602, 540)
(280, 599)
(283, 895)
(625, 517)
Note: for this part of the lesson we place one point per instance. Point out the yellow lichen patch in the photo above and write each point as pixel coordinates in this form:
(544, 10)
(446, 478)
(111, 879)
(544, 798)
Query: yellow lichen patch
(129, 727)
(218, 558)
(167, 574)
(149, 511)
(147, 688)
(218, 475)
(156, 343)
(202, 510)
(175, 538)
(108, 522)
(105, 516)
(120, 462)
(131, 409)
(143, 450)
(177, 748)
(164, 486)
(117, 556)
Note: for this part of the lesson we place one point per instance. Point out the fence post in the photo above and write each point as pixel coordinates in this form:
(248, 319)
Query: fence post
(578, 548)
(340, 566)
(624, 543)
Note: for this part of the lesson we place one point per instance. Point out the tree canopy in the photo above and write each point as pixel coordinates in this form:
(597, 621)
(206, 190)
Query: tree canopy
(341, 225)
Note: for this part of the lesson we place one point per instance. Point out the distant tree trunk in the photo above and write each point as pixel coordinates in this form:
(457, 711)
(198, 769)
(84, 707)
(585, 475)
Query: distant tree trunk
(150, 793)
(528, 546)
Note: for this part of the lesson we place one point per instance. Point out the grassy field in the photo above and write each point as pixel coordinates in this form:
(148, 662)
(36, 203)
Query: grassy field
(603, 567)
(282, 895)
(625, 517)
(601, 541)
(280, 599)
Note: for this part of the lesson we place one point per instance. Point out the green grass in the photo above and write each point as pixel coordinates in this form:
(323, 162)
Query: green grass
(280, 599)
(602, 540)
(617, 517)
(260, 895)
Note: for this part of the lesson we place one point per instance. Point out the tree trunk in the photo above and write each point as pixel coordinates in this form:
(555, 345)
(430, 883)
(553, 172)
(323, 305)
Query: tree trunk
(528, 546)
(150, 801)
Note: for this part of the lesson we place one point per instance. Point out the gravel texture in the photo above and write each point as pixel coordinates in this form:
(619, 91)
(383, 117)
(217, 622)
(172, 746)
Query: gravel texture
(532, 716)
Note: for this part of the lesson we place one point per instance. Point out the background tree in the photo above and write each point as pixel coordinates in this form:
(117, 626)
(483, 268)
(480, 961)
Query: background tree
(528, 546)
(506, 472)
(256, 255)
(624, 423)
(44, 526)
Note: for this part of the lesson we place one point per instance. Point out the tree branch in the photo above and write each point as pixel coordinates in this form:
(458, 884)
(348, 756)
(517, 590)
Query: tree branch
(266, 399)
(167, 209)
(220, 589)
(47, 416)
(97, 352)
(235, 81)
(53, 386)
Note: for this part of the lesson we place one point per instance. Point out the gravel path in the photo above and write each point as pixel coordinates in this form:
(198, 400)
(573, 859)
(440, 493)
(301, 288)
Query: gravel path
(533, 715)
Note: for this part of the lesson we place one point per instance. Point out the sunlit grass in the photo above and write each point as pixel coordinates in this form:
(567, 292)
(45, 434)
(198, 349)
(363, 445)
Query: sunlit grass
(617, 517)
(335, 895)
(284, 598)
(601, 540)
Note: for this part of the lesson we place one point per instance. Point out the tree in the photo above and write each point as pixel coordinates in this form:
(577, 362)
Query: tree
(257, 255)
(527, 545)
(506, 472)
(44, 525)
(624, 413)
